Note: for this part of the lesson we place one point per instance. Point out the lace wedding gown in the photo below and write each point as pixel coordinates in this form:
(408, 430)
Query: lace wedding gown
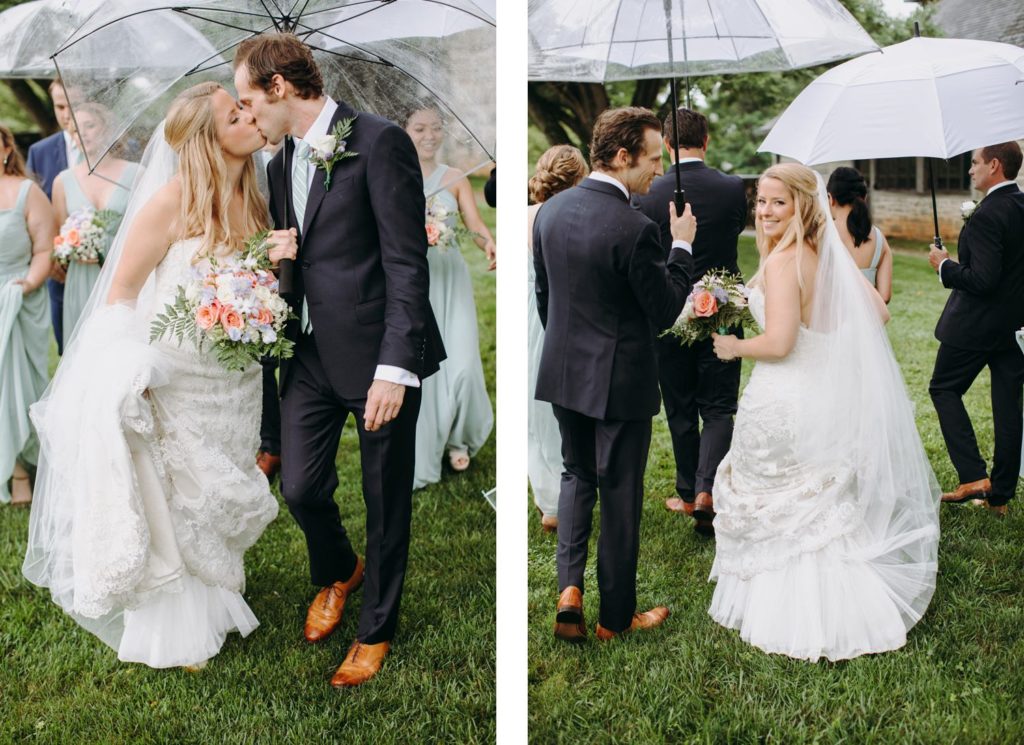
(798, 570)
(153, 493)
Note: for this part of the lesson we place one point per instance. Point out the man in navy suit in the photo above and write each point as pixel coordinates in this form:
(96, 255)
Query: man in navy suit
(694, 382)
(604, 288)
(977, 329)
(366, 339)
(46, 159)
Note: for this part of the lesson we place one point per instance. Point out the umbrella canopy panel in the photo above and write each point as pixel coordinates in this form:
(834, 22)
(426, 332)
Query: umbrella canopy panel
(30, 32)
(607, 40)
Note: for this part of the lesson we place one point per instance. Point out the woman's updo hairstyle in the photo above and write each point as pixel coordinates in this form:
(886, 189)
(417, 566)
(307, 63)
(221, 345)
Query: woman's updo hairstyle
(559, 168)
(847, 187)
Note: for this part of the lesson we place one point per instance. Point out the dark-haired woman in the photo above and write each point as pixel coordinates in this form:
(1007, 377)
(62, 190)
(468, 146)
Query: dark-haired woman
(847, 193)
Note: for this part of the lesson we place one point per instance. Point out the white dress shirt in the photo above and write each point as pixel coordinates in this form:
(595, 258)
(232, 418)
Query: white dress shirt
(71, 151)
(1000, 185)
(320, 127)
(605, 178)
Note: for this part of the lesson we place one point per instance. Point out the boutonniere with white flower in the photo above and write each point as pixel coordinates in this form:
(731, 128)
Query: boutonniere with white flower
(328, 149)
(967, 209)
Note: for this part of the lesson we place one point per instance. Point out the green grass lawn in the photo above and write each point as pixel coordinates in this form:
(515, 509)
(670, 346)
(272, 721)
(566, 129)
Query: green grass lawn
(956, 681)
(58, 684)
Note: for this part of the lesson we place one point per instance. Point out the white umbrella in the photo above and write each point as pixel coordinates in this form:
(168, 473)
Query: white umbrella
(922, 97)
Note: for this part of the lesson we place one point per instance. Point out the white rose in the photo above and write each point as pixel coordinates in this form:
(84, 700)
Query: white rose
(225, 295)
(324, 146)
(263, 294)
(967, 208)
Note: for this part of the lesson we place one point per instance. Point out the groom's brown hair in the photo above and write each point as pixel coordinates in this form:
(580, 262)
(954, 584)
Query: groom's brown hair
(620, 128)
(267, 55)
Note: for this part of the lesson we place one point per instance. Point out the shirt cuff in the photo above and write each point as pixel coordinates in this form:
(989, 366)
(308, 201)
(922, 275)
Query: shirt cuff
(685, 245)
(392, 374)
(940, 271)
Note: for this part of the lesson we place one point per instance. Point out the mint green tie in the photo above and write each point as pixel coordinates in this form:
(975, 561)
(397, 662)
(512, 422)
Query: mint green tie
(300, 193)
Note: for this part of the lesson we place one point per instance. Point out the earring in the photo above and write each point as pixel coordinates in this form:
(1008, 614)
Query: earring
(5, 159)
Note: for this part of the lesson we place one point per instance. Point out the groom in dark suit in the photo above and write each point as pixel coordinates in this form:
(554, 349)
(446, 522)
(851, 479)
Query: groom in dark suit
(694, 382)
(977, 329)
(366, 337)
(603, 290)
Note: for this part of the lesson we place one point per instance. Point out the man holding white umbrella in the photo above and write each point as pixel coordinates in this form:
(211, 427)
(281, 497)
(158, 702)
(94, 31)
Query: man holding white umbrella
(977, 329)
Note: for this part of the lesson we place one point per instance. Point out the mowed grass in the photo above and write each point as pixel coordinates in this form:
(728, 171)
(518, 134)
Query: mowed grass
(58, 684)
(958, 680)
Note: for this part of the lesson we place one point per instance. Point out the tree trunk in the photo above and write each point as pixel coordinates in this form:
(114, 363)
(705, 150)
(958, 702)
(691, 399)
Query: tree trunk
(38, 109)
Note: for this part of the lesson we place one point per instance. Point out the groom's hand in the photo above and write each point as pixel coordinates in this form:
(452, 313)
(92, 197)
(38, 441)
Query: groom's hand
(283, 245)
(383, 403)
(683, 227)
(936, 256)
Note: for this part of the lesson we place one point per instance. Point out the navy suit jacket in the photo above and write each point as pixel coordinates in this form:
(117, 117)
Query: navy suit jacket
(46, 159)
(603, 289)
(986, 305)
(362, 260)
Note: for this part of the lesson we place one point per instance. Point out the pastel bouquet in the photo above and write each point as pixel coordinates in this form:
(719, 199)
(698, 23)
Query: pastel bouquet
(233, 305)
(84, 236)
(439, 232)
(717, 303)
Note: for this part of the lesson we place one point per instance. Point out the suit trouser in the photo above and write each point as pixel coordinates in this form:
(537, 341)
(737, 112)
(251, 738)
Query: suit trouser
(270, 421)
(56, 291)
(694, 382)
(955, 371)
(609, 457)
(313, 416)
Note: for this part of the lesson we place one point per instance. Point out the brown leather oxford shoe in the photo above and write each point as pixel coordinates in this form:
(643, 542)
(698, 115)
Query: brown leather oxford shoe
(269, 464)
(974, 490)
(324, 613)
(704, 514)
(646, 620)
(678, 504)
(999, 510)
(569, 625)
(362, 662)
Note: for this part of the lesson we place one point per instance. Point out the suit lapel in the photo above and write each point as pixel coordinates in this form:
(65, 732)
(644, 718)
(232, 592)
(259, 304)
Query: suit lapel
(316, 189)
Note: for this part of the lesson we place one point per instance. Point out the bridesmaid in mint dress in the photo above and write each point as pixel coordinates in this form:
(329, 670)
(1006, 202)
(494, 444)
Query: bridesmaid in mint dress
(455, 414)
(27, 228)
(106, 188)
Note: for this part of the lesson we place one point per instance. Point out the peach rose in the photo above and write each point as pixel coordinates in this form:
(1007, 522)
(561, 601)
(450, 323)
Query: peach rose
(230, 318)
(207, 316)
(73, 237)
(433, 234)
(58, 241)
(704, 305)
(265, 317)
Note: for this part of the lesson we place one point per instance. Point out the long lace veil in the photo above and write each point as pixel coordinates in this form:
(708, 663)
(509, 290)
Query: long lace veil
(856, 410)
(78, 532)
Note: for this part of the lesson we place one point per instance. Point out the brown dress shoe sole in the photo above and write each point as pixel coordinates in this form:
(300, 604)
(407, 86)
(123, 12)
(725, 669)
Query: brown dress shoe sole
(571, 632)
(569, 614)
(951, 499)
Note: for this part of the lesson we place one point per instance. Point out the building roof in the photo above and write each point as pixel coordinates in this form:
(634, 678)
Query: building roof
(993, 20)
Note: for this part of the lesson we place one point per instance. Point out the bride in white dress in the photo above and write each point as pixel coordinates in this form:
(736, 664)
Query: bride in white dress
(827, 509)
(148, 493)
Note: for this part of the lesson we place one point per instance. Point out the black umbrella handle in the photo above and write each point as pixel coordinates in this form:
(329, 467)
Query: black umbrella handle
(680, 200)
(935, 208)
(286, 267)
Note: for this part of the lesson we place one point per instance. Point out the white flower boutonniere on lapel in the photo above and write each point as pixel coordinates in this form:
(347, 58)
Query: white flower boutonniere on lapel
(328, 149)
(967, 209)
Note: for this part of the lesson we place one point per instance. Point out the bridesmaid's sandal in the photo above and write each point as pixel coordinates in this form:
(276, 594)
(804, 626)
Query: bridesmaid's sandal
(458, 459)
(21, 491)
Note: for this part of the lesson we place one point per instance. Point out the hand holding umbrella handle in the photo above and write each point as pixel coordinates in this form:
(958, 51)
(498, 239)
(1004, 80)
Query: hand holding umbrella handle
(680, 200)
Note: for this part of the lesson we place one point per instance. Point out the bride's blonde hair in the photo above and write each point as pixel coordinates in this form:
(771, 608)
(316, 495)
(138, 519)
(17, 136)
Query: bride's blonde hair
(191, 132)
(806, 229)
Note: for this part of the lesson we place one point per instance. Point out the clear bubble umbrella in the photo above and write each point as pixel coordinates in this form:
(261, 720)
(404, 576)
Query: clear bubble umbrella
(389, 57)
(602, 41)
(30, 32)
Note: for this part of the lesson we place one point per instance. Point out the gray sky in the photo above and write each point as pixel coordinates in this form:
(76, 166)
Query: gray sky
(899, 8)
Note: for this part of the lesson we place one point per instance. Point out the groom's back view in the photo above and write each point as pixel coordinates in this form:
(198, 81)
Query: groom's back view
(350, 183)
(602, 284)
